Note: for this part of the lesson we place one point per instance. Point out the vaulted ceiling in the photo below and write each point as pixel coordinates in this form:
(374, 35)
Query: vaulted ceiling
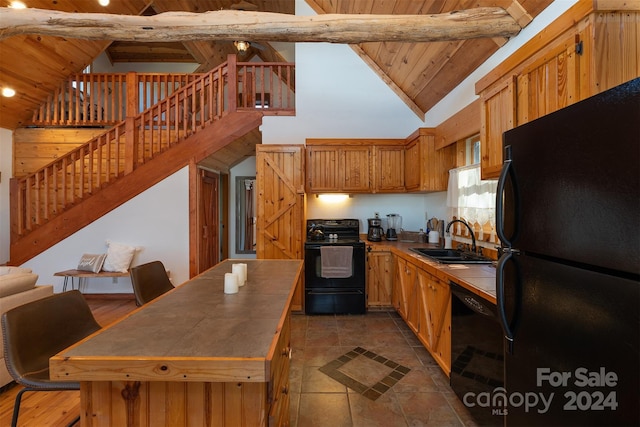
(420, 73)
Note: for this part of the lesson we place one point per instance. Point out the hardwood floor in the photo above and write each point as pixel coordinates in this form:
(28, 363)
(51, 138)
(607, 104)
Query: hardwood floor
(49, 409)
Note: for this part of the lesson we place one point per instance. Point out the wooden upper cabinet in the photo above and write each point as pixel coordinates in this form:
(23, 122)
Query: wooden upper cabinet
(427, 168)
(584, 52)
(322, 169)
(354, 169)
(552, 81)
(389, 168)
(337, 168)
(497, 115)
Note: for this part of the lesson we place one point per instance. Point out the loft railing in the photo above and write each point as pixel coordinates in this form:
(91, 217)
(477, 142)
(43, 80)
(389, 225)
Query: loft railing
(47, 192)
(104, 99)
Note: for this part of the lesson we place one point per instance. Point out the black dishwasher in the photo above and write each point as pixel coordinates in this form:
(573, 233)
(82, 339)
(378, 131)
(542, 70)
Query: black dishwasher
(477, 357)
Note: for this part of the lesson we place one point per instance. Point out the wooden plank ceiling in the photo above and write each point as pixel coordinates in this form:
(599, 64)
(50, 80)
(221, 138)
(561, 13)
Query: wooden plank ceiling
(420, 73)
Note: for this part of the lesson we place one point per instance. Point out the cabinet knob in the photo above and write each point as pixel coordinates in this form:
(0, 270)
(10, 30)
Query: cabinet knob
(285, 389)
(286, 352)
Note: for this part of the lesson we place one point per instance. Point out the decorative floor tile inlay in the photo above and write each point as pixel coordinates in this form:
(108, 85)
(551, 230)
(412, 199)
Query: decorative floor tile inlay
(364, 375)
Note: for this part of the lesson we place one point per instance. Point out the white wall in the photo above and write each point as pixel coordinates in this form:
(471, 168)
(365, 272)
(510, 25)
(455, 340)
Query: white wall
(157, 221)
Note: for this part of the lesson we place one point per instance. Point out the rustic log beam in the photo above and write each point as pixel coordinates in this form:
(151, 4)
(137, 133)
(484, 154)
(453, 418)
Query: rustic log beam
(246, 25)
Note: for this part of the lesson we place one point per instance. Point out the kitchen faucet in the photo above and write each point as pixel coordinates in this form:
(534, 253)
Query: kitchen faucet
(473, 238)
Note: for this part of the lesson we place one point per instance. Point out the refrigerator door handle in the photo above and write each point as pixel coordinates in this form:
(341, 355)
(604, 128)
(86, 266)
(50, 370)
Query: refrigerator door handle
(505, 172)
(500, 299)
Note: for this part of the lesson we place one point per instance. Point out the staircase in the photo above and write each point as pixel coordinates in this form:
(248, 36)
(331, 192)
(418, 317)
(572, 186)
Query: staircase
(193, 122)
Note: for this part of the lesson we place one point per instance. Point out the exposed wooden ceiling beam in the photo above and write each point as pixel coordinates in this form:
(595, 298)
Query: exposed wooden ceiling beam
(238, 25)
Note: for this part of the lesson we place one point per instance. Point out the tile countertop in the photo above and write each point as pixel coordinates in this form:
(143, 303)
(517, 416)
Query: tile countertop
(478, 278)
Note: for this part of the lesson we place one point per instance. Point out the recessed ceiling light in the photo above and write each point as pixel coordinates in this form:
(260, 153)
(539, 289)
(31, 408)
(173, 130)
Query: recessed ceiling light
(17, 5)
(8, 92)
(103, 2)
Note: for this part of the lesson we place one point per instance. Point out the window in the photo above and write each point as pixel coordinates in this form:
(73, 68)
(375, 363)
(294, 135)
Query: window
(473, 200)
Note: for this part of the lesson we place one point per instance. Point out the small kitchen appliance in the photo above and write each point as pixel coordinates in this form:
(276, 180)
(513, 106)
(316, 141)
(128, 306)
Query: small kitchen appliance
(394, 222)
(375, 232)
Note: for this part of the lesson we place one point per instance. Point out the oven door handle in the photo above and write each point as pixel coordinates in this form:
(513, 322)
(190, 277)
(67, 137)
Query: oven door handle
(335, 291)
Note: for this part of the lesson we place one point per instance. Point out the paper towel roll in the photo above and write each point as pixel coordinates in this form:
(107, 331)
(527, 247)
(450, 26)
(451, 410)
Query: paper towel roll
(230, 283)
(241, 271)
(447, 242)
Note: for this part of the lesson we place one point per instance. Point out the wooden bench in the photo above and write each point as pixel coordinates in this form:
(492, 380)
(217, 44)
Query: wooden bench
(84, 275)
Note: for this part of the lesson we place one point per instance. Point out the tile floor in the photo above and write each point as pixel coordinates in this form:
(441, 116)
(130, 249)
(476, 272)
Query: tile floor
(393, 381)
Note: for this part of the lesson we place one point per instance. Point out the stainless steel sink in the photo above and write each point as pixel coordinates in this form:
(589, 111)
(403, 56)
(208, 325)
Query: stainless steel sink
(452, 256)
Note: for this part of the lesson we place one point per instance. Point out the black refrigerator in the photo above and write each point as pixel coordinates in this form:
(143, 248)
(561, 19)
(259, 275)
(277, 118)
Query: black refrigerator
(568, 281)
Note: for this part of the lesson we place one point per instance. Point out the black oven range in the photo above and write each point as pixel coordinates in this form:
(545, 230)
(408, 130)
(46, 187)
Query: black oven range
(334, 262)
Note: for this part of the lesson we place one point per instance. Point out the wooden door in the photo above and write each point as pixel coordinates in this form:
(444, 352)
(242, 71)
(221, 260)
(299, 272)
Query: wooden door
(281, 200)
(280, 226)
(208, 224)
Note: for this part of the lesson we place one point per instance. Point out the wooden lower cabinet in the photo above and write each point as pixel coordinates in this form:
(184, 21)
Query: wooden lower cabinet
(193, 403)
(424, 302)
(434, 318)
(379, 278)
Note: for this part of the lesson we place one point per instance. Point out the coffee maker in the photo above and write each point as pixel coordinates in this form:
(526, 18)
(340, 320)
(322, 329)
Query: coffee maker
(375, 229)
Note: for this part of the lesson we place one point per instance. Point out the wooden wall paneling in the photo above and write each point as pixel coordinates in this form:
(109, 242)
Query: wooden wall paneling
(462, 124)
(34, 148)
(168, 404)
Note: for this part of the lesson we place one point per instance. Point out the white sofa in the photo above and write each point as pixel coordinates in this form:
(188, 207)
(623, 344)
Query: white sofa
(17, 287)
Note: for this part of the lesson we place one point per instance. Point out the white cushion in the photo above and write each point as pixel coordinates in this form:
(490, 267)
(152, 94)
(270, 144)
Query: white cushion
(12, 270)
(15, 283)
(119, 257)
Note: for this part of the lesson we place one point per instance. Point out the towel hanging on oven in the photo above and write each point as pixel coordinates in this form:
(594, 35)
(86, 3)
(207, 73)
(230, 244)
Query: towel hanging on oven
(336, 261)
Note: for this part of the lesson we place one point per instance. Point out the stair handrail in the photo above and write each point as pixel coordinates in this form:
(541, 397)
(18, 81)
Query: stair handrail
(44, 194)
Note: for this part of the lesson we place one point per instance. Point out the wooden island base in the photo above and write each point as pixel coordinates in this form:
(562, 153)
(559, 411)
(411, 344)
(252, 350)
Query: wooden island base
(193, 357)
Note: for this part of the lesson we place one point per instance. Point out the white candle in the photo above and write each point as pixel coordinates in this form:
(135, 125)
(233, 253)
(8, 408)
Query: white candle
(244, 274)
(230, 283)
(241, 271)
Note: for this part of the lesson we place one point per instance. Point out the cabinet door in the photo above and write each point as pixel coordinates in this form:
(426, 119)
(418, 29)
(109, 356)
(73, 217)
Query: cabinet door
(427, 168)
(412, 168)
(550, 83)
(498, 114)
(402, 287)
(440, 318)
(322, 169)
(389, 169)
(434, 318)
(426, 334)
(354, 169)
(379, 279)
(406, 282)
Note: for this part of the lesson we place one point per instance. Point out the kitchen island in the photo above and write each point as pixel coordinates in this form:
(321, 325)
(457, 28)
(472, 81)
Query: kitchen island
(194, 356)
